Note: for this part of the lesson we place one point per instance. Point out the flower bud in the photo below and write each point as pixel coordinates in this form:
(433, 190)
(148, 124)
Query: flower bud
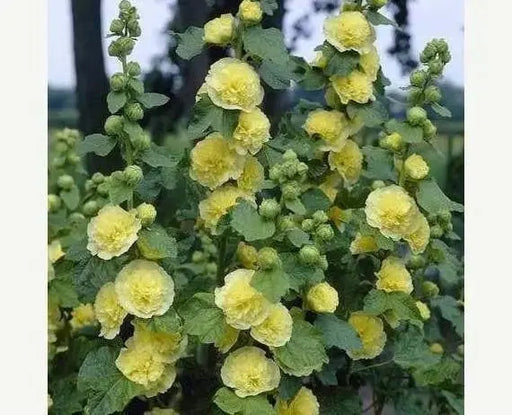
(269, 208)
(436, 67)
(98, 178)
(309, 255)
(428, 53)
(414, 94)
(90, 208)
(125, 5)
(445, 57)
(424, 310)
(211, 268)
(133, 175)
(285, 223)
(54, 202)
(377, 4)
(416, 115)
(61, 147)
(275, 172)
(429, 129)
(146, 213)
(114, 125)
(134, 28)
(291, 190)
(117, 26)
(121, 47)
(302, 168)
(416, 262)
(436, 231)
(323, 264)
(268, 258)
(436, 348)
(377, 184)
(320, 217)
(76, 217)
(289, 168)
(89, 185)
(250, 12)
(198, 257)
(325, 232)
(432, 94)
(418, 78)
(133, 69)
(444, 216)
(65, 182)
(103, 189)
(141, 142)
(219, 31)
(460, 350)
(430, 289)
(73, 158)
(308, 225)
(448, 227)
(134, 111)
(289, 155)
(416, 167)
(117, 82)
(247, 255)
(392, 142)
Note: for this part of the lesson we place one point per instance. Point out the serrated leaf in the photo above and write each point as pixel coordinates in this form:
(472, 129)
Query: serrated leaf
(337, 333)
(136, 85)
(155, 243)
(151, 100)
(116, 101)
(96, 143)
(273, 284)
(231, 404)
(64, 292)
(289, 386)
(315, 199)
(377, 302)
(268, 44)
(455, 402)
(342, 63)
(375, 18)
(447, 369)
(70, 197)
(410, 350)
(440, 110)
(150, 186)
(373, 114)
(296, 206)
(66, 399)
(156, 156)
(169, 177)
(246, 220)
(269, 6)
(409, 134)
(298, 237)
(119, 191)
(170, 322)
(450, 311)
(224, 121)
(328, 375)
(190, 42)
(379, 164)
(300, 274)
(431, 198)
(276, 75)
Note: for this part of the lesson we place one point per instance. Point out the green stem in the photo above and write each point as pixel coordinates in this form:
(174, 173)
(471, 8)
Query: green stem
(387, 362)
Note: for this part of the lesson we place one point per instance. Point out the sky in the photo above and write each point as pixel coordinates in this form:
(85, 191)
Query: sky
(428, 18)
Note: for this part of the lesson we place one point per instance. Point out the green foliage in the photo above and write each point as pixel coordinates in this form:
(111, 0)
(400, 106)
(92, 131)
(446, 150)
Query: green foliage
(190, 43)
(98, 144)
(156, 243)
(152, 100)
(379, 164)
(433, 200)
(337, 333)
(251, 405)
(246, 220)
(272, 283)
(267, 44)
(377, 302)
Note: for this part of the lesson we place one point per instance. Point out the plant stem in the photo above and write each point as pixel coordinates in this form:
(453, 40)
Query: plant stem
(387, 362)
(221, 258)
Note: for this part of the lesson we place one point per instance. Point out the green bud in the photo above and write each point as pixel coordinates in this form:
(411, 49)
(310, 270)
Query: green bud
(446, 57)
(432, 94)
(141, 142)
(210, 249)
(134, 111)
(436, 348)
(377, 4)
(98, 178)
(416, 262)
(428, 53)
(198, 257)
(146, 213)
(121, 47)
(441, 45)
(125, 5)
(90, 208)
(54, 203)
(117, 26)
(211, 268)
(61, 147)
(444, 216)
(289, 155)
(393, 141)
(285, 223)
(436, 67)
(269, 208)
(117, 176)
(325, 232)
(378, 184)
(323, 264)
(275, 172)
(432, 218)
(73, 158)
(416, 115)
(133, 69)
(430, 289)
(117, 82)
(320, 217)
(134, 28)
(65, 182)
(460, 350)
(309, 255)
(268, 258)
(414, 94)
(436, 231)
(308, 225)
(429, 129)
(291, 190)
(103, 189)
(349, 6)
(448, 227)
(302, 168)
(418, 78)
(133, 175)
(289, 168)
(114, 125)
(89, 185)
(76, 217)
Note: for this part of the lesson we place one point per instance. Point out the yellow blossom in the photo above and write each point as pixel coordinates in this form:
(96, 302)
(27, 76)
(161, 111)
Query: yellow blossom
(249, 372)
(233, 84)
(140, 364)
(82, 316)
(393, 276)
(348, 161)
(303, 403)
(213, 162)
(112, 232)
(250, 12)
(392, 211)
(218, 203)
(371, 332)
(349, 31)
(55, 251)
(276, 329)
(357, 86)
(251, 132)
(168, 346)
(420, 237)
(219, 31)
(370, 63)
(331, 126)
(416, 167)
(338, 216)
(163, 383)
(322, 298)
(252, 177)
(242, 304)
(330, 186)
(108, 311)
(363, 244)
(247, 255)
(228, 340)
(144, 288)
(423, 309)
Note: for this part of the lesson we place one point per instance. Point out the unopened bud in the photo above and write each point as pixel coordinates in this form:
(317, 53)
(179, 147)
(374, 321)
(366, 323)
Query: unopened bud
(289, 155)
(436, 348)
(325, 232)
(285, 223)
(416, 262)
(141, 141)
(432, 94)
(268, 258)
(133, 69)
(308, 225)
(117, 82)
(429, 129)
(430, 289)
(54, 202)
(114, 125)
(133, 175)
(134, 111)
(436, 67)
(65, 182)
(198, 257)
(444, 216)
(103, 189)
(416, 115)
(378, 184)
(76, 217)
(90, 208)
(98, 178)
(309, 255)
(247, 255)
(418, 78)
(146, 213)
(269, 208)
(436, 231)
(320, 217)
(291, 190)
(117, 26)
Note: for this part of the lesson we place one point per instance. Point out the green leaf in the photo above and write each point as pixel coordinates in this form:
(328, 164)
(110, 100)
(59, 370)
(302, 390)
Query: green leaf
(440, 110)
(431, 198)
(224, 121)
(230, 403)
(169, 177)
(70, 197)
(298, 237)
(340, 401)
(136, 85)
(96, 143)
(202, 318)
(151, 100)
(408, 133)
(337, 333)
(410, 350)
(450, 311)
(373, 114)
(304, 353)
(375, 18)
(296, 206)
(447, 263)
(455, 402)
(116, 101)
(248, 223)
(155, 243)
(190, 42)
(315, 199)
(273, 284)
(289, 386)
(341, 63)
(66, 399)
(276, 75)
(379, 164)
(328, 373)
(170, 322)
(119, 191)
(300, 274)
(107, 390)
(268, 6)
(447, 369)
(377, 302)
(268, 44)
(133, 129)
(64, 292)
(150, 186)
(157, 156)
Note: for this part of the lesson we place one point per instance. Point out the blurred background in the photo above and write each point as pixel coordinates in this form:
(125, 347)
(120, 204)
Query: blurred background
(78, 64)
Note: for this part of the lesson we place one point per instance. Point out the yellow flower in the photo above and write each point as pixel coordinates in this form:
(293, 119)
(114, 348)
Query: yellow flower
(242, 304)
(357, 86)
(247, 255)
(330, 186)
(249, 372)
(331, 126)
(252, 177)
(140, 364)
(322, 298)
(393, 276)
(251, 132)
(371, 332)
(163, 383)
(112, 232)
(319, 61)
(213, 162)
(276, 329)
(250, 12)
(349, 31)
(370, 63)
(167, 346)
(416, 167)
(219, 31)
(228, 340)
(423, 309)
(363, 244)
(392, 211)
(55, 251)
(420, 237)
(108, 311)
(303, 403)
(348, 161)
(218, 204)
(233, 84)
(82, 316)
(144, 289)
(338, 216)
